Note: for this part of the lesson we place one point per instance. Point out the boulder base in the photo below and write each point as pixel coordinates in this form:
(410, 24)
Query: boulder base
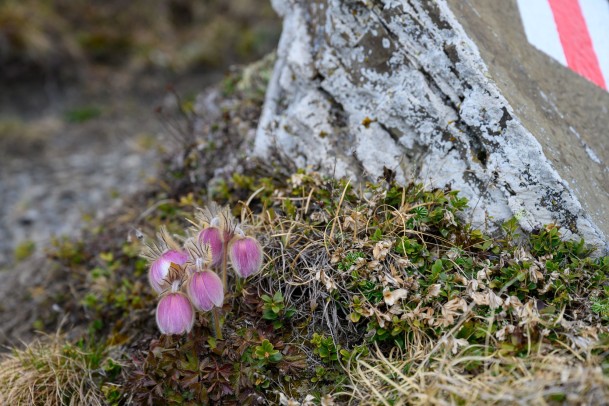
(364, 86)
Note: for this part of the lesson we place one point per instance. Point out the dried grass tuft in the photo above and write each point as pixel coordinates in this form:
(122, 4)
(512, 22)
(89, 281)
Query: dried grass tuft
(492, 326)
(560, 377)
(48, 372)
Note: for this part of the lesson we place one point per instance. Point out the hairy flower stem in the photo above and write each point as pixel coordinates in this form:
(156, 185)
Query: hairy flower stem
(215, 314)
(239, 286)
(224, 270)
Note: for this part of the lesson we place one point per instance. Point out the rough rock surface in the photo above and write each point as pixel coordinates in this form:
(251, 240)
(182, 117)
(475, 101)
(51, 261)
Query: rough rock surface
(567, 114)
(361, 86)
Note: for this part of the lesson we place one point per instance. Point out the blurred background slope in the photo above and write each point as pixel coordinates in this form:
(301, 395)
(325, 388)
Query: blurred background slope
(79, 83)
(58, 38)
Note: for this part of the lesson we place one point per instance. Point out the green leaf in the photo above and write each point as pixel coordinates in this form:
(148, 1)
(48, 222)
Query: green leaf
(275, 357)
(436, 268)
(420, 212)
(268, 314)
(377, 236)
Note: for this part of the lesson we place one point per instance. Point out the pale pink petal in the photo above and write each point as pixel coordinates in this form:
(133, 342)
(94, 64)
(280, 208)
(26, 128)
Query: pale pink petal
(174, 314)
(212, 237)
(205, 290)
(160, 267)
(177, 257)
(245, 255)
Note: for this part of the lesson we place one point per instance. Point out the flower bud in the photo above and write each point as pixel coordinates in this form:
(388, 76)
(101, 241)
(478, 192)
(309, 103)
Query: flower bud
(205, 290)
(245, 255)
(157, 276)
(213, 237)
(174, 314)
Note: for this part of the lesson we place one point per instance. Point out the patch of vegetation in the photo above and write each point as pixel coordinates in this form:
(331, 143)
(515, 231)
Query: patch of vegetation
(53, 372)
(64, 36)
(385, 268)
(24, 250)
(375, 292)
(355, 277)
(82, 114)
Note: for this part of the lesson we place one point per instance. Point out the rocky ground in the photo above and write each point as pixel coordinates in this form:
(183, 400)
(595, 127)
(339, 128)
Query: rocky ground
(69, 154)
(79, 85)
(80, 130)
(69, 158)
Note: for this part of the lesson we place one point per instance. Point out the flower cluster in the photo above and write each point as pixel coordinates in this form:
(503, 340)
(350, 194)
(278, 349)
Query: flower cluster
(184, 275)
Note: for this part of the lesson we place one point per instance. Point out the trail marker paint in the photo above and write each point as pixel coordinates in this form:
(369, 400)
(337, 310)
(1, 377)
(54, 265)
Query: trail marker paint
(573, 32)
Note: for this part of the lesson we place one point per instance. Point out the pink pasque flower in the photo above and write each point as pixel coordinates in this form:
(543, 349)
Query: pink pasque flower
(245, 255)
(174, 314)
(157, 276)
(212, 236)
(205, 290)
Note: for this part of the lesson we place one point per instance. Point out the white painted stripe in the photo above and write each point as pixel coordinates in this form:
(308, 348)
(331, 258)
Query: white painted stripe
(540, 28)
(596, 14)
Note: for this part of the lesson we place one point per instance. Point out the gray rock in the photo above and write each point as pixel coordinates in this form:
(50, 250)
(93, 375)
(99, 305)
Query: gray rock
(361, 86)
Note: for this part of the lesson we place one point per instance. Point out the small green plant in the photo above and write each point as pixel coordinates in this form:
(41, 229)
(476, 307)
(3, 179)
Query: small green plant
(601, 307)
(266, 352)
(333, 375)
(359, 309)
(320, 374)
(112, 394)
(325, 348)
(377, 235)
(273, 309)
(349, 260)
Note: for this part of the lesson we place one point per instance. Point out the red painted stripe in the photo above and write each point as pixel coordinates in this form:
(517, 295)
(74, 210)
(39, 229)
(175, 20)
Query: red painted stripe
(575, 40)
